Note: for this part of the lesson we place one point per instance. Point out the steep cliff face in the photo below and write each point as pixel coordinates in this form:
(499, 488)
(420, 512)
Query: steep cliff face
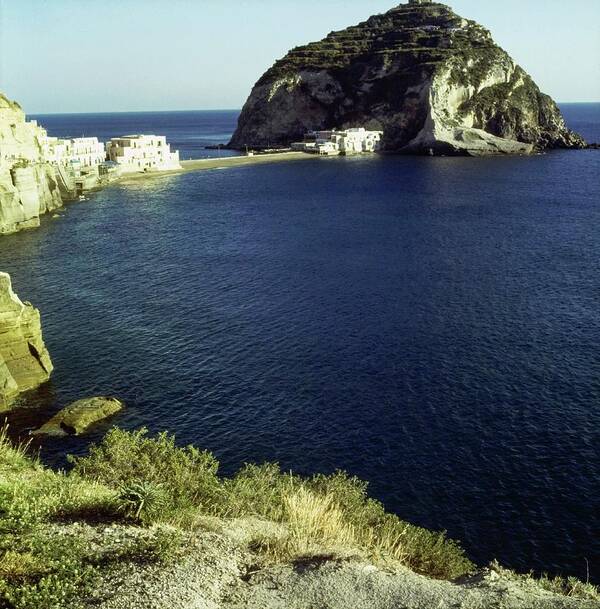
(28, 185)
(433, 81)
(24, 359)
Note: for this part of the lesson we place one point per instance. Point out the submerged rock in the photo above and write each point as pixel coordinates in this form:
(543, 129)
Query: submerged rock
(79, 416)
(24, 359)
(435, 83)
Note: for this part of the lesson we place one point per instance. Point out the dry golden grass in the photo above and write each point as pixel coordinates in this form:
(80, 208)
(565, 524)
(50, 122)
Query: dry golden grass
(386, 542)
(316, 520)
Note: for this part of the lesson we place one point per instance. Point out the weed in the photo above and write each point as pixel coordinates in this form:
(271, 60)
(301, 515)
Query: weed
(566, 586)
(143, 501)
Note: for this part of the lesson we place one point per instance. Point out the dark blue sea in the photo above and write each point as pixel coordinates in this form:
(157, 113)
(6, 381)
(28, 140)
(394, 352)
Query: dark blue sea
(188, 132)
(431, 325)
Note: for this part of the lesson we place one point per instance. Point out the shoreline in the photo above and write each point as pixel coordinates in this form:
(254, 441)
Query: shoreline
(217, 163)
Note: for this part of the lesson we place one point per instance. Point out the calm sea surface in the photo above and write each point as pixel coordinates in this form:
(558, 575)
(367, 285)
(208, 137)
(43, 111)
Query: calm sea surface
(430, 325)
(188, 132)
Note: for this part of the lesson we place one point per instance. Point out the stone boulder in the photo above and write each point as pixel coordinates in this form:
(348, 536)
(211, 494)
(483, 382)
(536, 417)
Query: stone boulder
(76, 418)
(24, 359)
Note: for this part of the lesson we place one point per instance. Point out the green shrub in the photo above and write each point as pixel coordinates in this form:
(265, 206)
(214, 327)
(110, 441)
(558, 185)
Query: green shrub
(187, 475)
(143, 501)
(130, 475)
(256, 490)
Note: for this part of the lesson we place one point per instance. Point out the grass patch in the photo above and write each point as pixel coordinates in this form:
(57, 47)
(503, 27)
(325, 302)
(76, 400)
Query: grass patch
(157, 481)
(39, 569)
(565, 586)
(131, 478)
(41, 566)
(362, 522)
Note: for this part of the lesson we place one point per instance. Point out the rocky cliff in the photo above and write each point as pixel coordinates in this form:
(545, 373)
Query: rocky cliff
(28, 185)
(24, 360)
(433, 81)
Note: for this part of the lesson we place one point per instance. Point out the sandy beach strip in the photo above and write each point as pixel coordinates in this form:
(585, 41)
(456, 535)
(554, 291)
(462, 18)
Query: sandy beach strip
(218, 163)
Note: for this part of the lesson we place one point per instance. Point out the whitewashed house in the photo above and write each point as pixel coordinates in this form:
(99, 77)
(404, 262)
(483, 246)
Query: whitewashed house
(142, 153)
(88, 151)
(83, 152)
(355, 140)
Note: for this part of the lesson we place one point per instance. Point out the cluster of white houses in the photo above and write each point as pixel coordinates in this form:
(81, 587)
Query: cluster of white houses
(349, 141)
(142, 153)
(84, 162)
(126, 154)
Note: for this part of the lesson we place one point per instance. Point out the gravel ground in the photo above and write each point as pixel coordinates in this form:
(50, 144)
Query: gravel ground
(216, 571)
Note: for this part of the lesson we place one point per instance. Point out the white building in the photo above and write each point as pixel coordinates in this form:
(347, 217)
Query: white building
(142, 153)
(322, 147)
(355, 140)
(81, 152)
(88, 151)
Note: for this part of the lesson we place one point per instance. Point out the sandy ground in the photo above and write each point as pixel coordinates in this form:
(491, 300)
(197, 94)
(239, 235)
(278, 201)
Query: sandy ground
(219, 163)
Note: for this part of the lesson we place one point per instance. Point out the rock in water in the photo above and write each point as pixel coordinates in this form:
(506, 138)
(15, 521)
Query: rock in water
(76, 418)
(435, 83)
(24, 360)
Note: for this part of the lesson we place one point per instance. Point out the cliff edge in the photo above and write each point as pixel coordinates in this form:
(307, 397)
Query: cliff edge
(24, 359)
(434, 82)
(141, 523)
(28, 186)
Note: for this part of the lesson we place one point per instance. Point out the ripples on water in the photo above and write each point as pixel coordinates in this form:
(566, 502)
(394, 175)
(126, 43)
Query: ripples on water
(430, 325)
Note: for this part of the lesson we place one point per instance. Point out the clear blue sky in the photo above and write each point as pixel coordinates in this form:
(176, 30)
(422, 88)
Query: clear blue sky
(121, 55)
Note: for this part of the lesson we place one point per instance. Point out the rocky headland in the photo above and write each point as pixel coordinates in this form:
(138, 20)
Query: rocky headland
(434, 82)
(28, 185)
(24, 359)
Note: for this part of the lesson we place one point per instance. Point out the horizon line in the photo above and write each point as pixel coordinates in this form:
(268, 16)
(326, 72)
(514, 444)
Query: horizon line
(559, 103)
(138, 111)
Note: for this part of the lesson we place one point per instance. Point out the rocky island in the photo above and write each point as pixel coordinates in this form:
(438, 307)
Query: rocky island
(434, 82)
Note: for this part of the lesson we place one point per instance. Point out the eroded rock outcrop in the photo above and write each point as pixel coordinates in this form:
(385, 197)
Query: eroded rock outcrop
(76, 418)
(433, 81)
(28, 186)
(24, 359)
